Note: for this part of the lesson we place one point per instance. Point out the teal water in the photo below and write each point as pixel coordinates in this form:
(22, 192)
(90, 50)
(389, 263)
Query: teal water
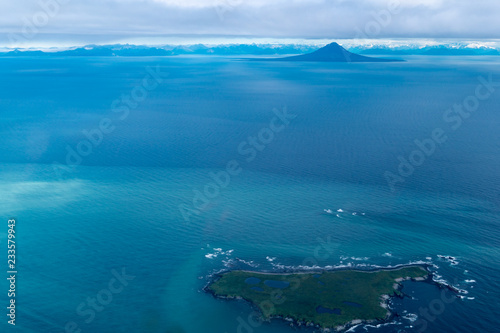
(119, 209)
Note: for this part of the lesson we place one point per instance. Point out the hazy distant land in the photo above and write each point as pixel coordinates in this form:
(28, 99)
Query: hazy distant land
(262, 49)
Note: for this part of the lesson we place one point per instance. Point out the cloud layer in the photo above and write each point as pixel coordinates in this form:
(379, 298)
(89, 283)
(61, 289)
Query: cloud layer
(270, 18)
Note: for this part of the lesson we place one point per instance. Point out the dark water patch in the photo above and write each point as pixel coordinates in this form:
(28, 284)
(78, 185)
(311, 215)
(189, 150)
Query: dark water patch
(252, 280)
(277, 284)
(357, 305)
(321, 309)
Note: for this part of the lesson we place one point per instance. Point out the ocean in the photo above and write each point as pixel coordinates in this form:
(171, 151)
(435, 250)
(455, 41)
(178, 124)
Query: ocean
(134, 180)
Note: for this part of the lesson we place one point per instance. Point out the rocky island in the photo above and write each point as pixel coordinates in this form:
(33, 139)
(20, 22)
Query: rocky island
(328, 299)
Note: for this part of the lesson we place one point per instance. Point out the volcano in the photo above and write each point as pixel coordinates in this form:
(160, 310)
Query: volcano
(332, 52)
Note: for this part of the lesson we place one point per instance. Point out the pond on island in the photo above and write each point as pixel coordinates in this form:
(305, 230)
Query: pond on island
(352, 304)
(252, 280)
(277, 284)
(321, 309)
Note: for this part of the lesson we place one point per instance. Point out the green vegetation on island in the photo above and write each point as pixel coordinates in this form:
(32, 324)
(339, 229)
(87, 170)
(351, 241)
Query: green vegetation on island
(327, 299)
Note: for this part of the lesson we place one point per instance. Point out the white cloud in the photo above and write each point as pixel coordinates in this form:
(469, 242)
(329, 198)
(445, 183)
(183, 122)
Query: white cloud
(272, 18)
(231, 3)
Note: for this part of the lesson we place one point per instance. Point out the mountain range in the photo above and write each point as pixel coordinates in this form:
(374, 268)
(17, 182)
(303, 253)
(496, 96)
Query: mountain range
(380, 48)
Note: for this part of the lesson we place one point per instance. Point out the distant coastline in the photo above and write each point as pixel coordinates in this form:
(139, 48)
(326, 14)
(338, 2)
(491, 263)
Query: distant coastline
(374, 48)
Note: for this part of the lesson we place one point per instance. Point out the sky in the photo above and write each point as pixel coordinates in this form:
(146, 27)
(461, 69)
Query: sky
(57, 22)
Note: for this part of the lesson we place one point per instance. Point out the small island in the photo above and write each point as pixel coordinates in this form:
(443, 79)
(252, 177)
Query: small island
(328, 299)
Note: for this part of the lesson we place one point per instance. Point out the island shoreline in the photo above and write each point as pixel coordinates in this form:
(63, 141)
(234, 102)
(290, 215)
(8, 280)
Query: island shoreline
(385, 298)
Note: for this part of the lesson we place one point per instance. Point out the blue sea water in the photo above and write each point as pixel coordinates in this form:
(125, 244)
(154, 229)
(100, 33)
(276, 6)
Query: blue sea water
(314, 196)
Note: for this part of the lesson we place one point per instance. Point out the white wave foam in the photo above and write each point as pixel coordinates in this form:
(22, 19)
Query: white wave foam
(452, 260)
(387, 254)
(342, 265)
(310, 268)
(218, 251)
(411, 317)
(250, 263)
(381, 325)
(352, 329)
(328, 211)
(470, 281)
(340, 210)
(467, 298)
(360, 258)
(418, 262)
(228, 263)
(439, 280)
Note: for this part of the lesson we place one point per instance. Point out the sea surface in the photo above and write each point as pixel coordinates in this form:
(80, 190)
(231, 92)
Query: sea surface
(312, 192)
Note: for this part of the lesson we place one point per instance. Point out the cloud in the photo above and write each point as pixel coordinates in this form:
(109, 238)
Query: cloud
(272, 18)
